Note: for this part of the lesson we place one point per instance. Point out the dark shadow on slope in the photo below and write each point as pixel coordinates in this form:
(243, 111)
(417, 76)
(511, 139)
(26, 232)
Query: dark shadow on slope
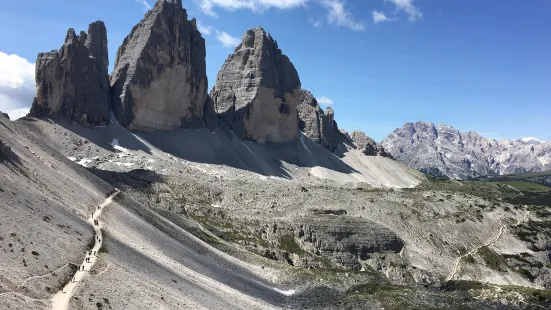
(222, 147)
(102, 136)
(204, 259)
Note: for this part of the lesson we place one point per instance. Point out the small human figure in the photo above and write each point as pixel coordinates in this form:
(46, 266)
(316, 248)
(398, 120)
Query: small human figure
(94, 253)
(99, 207)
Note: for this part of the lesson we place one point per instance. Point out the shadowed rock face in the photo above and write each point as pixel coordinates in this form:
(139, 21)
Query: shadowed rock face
(318, 125)
(73, 82)
(257, 90)
(159, 81)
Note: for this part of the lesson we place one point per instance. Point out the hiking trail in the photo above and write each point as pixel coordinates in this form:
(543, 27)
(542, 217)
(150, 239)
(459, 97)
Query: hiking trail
(61, 299)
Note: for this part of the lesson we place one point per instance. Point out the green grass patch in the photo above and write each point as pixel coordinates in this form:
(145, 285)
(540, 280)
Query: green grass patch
(492, 259)
(527, 187)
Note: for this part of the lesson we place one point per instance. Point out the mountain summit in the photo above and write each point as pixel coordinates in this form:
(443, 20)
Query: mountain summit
(444, 151)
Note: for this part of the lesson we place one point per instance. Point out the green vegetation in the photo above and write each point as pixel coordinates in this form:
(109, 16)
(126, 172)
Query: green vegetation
(492, 259)
(289, 244)
(526, 186)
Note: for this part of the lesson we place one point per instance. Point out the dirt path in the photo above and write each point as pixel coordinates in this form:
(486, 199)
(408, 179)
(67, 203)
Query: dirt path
(61, 299)
(474, 250)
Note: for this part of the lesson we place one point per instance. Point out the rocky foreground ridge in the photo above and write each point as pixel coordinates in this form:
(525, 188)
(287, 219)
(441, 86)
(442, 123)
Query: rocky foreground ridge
(444, 151)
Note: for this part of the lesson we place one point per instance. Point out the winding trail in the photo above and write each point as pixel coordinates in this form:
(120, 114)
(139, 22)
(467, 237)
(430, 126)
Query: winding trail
(474, 250)
(61, 299)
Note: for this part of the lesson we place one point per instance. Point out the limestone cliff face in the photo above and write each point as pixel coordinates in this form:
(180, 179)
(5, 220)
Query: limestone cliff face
(446, 152)
(257, 90)
(318, 125)
(159, 81)
(73, 82)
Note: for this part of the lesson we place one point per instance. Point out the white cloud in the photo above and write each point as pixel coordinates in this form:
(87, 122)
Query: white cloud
(338, 15)
(325, 101)
(17, 85)
(408, 7)
(318, 23)
(204, 29)
(226, 39)
(146, 5)
(207, 6)
(379, 17)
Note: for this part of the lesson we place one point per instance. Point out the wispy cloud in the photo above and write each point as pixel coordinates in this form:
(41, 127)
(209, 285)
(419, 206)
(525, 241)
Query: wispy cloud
(409, 8)
(379, 17)
(337, 14)
(204, 29)
(207, 6)
(226, 39)
(146, 5)
(325, 101)
(17, 85)
(318, 23)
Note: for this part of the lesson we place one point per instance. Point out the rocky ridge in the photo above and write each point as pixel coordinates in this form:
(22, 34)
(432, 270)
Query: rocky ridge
(257, 90)
(446, 152)
(367, 145)
(73, 82)
(318, 125)
(159, 81)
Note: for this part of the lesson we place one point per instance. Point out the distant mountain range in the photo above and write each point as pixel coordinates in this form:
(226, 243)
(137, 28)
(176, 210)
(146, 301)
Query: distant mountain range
(444, 151)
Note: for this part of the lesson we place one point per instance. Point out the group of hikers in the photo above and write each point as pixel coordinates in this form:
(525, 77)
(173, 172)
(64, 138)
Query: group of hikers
(90, 253)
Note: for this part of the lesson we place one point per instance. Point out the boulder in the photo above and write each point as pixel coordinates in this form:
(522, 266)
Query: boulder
(73, 82)
(159, 81)
(257, 91)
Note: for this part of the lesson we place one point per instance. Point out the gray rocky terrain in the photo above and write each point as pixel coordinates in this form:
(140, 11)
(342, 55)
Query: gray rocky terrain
(250, 198)
(257, 90)
(444, 151)
(159, 81)
(73, 82)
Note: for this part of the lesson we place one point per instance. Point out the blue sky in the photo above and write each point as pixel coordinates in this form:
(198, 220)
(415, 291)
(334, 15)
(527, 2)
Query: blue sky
(477, 65)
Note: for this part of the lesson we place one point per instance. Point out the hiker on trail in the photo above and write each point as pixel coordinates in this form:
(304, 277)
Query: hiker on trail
(99, 207)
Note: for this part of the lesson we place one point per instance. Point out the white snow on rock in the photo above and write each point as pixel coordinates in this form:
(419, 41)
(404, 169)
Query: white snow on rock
(286, 293)
(85, 162)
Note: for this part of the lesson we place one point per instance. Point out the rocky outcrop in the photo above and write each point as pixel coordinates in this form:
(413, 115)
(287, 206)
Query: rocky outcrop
(257, 91)
(367, 145)
(159, 81)
(318, 125)
(446, 152)
(73, 82)
(5, 115)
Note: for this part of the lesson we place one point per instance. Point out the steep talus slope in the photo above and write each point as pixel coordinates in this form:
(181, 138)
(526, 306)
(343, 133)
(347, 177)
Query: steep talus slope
(444, 151)
(44, 199)
(159, 81)
(43, 235)
(257, 90)
(73, 82)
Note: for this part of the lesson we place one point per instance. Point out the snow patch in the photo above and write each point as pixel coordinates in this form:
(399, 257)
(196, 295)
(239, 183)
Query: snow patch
(531, 139)
(286, 293)
(117, 146)
(72, 158)
(85, 162)
(124, 164)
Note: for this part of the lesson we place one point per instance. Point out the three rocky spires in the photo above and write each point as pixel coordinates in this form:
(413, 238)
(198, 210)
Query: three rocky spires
(159, 82)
